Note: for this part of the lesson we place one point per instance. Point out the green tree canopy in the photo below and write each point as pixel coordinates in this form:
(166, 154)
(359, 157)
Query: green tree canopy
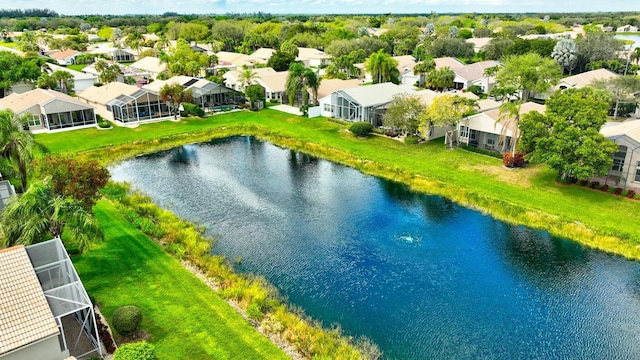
(17, 146)
(404, 113)
(529, 73)
(174, 95)
(567, 137)
(446, 111)
(382, 67)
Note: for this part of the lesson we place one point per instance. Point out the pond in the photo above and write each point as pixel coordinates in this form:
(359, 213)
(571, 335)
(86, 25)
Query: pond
(419, 275)
(634, 38)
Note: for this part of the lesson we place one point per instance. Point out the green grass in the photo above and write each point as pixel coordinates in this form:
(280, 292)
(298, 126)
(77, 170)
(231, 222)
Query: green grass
(528, 196)
(77, 67)
(13, 44)
(185, 318)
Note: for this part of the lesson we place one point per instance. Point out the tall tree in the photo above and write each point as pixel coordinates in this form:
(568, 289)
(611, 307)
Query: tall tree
(567, 137)
(295, 81)
(448, 110)
(404, 113)
(14, 69)
(18, 146)
(382, 67)
(174, 95)
(440, 79)
(312, 83)
(247, 75)
(63, 79)
(423, 68)
(529, 73)
(510, 119)
(39, 214)
(135, 40)
(565, 53)
(623, 89)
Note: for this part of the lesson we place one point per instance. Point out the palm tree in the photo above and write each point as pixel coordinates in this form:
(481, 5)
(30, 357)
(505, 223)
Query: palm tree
(440, 79)
(247, 75)
(64, 79)
(510, 119)
(135, 40)
(16, 144)
(423, 68)
(490, 72)
(312, 82)
(295, 81)
(39, 214)
(381, 66)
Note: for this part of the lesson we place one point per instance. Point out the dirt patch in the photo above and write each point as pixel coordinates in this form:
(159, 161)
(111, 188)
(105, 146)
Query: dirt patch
(520, 176)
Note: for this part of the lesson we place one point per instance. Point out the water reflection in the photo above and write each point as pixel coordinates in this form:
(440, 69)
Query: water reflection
(421, 276)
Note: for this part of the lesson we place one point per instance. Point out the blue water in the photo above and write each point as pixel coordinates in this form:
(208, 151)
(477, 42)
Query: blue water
(420, 276)
(634, 38)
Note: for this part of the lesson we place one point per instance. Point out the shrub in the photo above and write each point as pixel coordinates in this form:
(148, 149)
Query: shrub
(617, 191)
(126, 320)
(193, 109)
(474, 149)
(136, 351)
(360, 129)
(595, 185)
(584, 182)
(104, 124)
(254, 312)
(631, 194)
(511, 161)
(274, 101)
(391, 134)
(605, 187)
(411, 140)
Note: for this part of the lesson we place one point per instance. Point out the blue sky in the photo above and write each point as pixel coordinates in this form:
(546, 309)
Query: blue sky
(117, 7)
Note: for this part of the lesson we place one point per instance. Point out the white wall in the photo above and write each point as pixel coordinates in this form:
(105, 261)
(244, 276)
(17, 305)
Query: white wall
(47, 349)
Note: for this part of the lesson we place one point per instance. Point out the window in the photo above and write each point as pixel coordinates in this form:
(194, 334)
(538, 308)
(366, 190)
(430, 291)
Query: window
(327, 107)
(618, 164)
(618, 158)
(638, 172)
(34, 120)
(491, 140)
(464, 131)
(472, 135)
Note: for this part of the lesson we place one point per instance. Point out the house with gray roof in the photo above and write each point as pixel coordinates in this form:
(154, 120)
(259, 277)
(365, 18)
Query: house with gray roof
(45, 312)
(50, 110)
(81, 80)
(151, 65)
(362, 103)
(625, 171)
(125, 103)
(489, 130)
(206, 94)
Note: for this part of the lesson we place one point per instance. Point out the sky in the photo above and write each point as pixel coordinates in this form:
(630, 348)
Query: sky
(119, 7)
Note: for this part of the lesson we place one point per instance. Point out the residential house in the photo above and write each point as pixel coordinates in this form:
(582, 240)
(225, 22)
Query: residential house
(232, 77)
(125, 103)
(405, 70)
(234, 60)
(262, 55)
(449, 62)
(479, 43)
(584, 79)
(473, 74)
(206, 94)
(313, 57)
(50, 110)
(81, 80)
(67, 57)
(328, 86)
(150, 65)
(274, 84)
(487, 130)
(627, 28)
(362, 103)
(115, 54)
(46, 312)
(625, 171)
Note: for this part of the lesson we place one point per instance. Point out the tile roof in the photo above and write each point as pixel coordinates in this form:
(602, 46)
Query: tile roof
(25, 316)
(107, 92)
(586, 78)
(474, 71)
(328, 86)
(376, 94)
(274, 82)
(77, 75)
(151, 64)
(263, 54)
(64, 54)
(450, 62)
(628, 128)
(20, 102)
(310, 53)
(405, 63)
(524, 109)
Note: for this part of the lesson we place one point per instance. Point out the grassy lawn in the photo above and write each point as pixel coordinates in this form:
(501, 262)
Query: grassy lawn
(185, 318)
(77, 67)
(481, 176)
(12, 44)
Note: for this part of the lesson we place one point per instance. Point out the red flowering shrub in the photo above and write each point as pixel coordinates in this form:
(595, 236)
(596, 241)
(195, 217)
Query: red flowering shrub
(509, 160)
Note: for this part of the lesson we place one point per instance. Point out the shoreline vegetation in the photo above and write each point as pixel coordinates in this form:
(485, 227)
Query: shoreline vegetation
(425, 171)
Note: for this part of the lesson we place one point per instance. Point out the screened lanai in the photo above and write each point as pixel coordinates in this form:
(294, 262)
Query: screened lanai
(364, 103)
(207, 94)
(140, 106)
(67, 298)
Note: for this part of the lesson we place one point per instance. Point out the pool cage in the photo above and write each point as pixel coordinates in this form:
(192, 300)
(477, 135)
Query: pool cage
(67, 298)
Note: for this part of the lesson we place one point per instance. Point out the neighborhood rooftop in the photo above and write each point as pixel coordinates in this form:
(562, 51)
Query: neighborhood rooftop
(25, 316)
(20, 102)
(376, 94)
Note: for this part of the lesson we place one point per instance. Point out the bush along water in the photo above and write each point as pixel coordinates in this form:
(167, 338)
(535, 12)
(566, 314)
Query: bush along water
(253, 294)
